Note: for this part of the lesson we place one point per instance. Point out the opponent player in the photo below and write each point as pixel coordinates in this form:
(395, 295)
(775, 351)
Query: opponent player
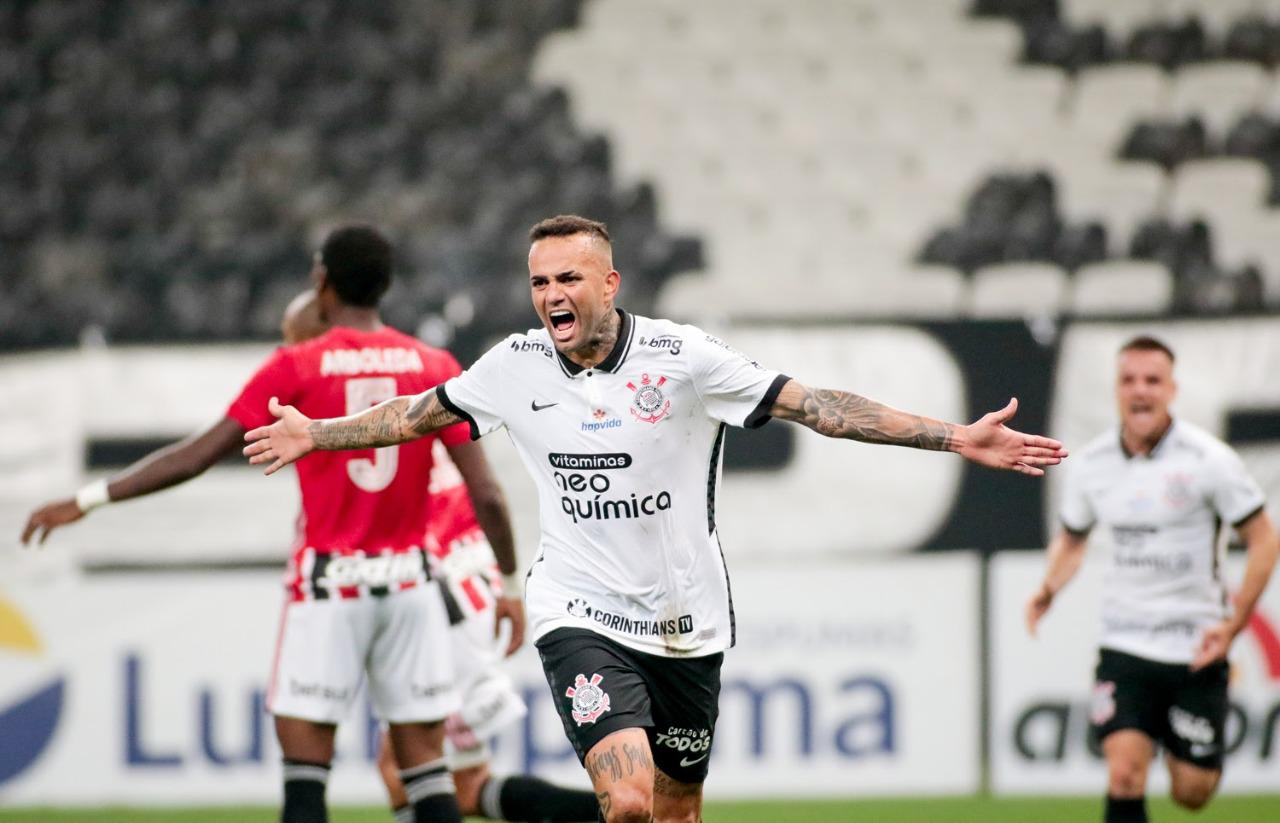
(621, 419)
(360, 598)
(464, 565)
(1160, 488)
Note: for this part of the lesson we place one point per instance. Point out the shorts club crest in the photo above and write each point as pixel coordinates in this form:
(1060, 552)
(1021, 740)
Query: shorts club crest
(589, 700)
(1102, 706)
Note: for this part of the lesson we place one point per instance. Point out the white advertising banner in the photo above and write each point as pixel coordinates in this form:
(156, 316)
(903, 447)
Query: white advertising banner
(149, 689)
(1040, 687)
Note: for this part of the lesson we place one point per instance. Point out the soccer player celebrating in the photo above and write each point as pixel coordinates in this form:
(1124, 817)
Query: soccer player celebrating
(620, 419)
(463, 563)
(361, 603)
(1160, 488)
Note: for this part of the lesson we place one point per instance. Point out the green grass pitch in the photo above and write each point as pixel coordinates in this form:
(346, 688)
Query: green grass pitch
(1258, 809)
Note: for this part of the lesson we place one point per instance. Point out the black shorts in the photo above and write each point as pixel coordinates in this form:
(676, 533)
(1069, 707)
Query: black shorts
(1182, 710)
(600, 687)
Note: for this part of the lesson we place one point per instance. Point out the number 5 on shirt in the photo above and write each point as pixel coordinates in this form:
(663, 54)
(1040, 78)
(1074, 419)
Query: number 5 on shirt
(376, 474)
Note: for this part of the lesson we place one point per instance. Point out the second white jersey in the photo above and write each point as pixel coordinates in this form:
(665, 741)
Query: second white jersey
(626, 457)
(1162, 515)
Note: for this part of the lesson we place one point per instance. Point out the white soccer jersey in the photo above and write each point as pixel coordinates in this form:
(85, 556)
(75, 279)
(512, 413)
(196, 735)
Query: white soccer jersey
(1162, 515)
(626, 457)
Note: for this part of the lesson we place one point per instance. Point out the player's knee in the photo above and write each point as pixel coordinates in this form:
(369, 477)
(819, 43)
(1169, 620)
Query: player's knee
(1126, 778)
(1192, 796)
(628, 804)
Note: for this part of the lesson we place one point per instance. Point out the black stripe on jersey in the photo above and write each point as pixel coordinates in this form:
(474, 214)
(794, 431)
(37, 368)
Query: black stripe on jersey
(1073, 531)
(616, 356)
(443, 397)
(713, 474)
(1248, 516)
(760, 414)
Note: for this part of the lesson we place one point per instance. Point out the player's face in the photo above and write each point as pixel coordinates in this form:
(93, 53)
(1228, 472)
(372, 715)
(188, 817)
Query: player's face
(1144, 390)
(573, 285)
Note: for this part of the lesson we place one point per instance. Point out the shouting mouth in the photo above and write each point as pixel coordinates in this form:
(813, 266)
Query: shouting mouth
(563, 324)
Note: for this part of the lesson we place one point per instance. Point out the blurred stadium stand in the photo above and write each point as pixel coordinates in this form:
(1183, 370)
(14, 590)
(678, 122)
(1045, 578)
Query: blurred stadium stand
(166, 166)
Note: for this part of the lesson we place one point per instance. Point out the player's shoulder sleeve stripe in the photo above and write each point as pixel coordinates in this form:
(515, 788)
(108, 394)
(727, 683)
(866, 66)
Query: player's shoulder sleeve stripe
(760, 414)
(1240, 521)
(1075, 531)
(443, 395)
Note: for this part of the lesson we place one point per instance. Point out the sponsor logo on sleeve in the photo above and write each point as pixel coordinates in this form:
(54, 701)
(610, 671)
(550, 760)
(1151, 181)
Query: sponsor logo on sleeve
(672, 343)
(534, 346)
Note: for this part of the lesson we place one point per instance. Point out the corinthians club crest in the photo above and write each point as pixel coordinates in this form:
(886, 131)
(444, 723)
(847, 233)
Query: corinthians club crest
(649, 404)
(589, 700)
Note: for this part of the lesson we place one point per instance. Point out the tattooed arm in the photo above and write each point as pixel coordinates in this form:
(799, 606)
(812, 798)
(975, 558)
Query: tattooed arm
(294, 435)
(851, 416)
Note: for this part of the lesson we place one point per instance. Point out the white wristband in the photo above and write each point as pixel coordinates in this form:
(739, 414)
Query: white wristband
(93, 495)
(512, 584)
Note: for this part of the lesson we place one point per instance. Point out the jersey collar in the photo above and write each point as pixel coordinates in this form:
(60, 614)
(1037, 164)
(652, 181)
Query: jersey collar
(1156, 449)
(626, 331)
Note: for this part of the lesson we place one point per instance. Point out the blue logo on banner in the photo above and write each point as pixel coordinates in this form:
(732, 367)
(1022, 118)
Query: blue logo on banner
(26, 725)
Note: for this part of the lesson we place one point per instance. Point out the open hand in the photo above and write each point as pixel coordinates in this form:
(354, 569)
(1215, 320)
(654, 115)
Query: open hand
(49, 517)
(989, 442)
(281, 443)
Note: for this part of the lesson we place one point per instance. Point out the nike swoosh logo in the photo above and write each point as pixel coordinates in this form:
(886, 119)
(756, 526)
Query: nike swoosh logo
(686, 762)
(538, 408)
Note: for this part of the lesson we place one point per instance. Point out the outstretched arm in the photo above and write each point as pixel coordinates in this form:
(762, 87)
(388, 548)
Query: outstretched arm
(1262, 547)
(988, 441)
(1065, 555)
(491, 511)
(169, 466)
(389, 423)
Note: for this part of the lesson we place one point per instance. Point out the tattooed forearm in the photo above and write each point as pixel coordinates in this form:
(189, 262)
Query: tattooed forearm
(394, 421)
(382, 425)
(854, 417)
(428, 414)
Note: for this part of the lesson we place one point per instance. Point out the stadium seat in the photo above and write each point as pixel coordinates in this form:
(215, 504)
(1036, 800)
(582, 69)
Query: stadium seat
(1251, 240)
(1218, 15)
(1121, 287)
(1018, 290)
(1218, 186)
(1119, 194)
(1109, 97)
(1219, 91)
(1121, 16)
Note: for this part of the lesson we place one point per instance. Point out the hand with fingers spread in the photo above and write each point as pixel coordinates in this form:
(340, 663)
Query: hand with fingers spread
(989, 442)
(281, 443)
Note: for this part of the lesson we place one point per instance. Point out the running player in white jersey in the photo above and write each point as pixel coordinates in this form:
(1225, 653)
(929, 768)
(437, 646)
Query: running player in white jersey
(1158, 489)
(620, 419)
